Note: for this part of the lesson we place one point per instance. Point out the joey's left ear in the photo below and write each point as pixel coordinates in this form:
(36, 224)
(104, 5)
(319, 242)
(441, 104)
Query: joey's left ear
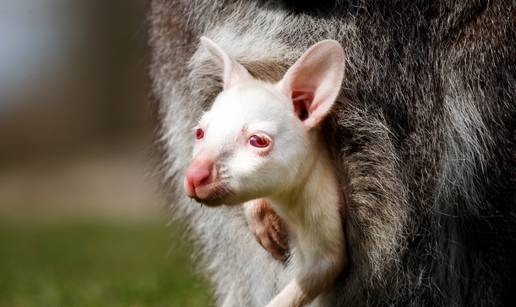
(314, 81)
(233, 72)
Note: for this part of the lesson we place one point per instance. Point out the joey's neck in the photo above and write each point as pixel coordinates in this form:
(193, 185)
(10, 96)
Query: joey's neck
(316, 184)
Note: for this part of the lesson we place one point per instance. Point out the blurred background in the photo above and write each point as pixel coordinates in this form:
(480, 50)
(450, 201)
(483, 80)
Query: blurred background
(81, 222)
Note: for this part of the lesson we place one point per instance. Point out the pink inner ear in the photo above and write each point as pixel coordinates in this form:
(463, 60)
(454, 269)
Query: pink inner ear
(313, 82)
(302, 103)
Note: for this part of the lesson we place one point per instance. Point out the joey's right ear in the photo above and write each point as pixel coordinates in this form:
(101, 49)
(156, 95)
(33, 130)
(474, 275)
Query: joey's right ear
(313, 82)
(232, 71)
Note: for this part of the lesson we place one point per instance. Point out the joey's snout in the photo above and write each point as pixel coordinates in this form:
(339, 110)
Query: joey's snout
(203, 183)
(198, 174)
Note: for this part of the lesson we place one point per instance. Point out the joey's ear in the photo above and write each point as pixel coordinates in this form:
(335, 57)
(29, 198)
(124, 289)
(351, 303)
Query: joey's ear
(313, 82)
(232, 71)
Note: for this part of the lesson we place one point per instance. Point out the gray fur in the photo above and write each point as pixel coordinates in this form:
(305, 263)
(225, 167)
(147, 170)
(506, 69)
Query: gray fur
(423, 136)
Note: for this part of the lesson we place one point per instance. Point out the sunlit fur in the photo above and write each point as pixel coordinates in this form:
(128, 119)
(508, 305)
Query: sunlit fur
(422, 138)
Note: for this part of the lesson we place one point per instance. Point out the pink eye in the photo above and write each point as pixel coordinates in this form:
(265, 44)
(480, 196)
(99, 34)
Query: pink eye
(199, 133)
(259, 141)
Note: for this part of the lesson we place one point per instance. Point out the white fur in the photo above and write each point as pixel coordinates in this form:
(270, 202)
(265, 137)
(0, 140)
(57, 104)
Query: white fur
(296, 174)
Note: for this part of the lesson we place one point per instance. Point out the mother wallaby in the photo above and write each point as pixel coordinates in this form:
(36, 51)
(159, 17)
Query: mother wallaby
(422, 137)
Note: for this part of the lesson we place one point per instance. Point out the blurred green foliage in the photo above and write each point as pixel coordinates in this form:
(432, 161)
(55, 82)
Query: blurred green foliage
(97, 264)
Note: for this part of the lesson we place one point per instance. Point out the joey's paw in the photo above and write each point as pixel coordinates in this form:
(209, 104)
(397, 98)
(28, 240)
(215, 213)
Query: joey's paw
(268, 229)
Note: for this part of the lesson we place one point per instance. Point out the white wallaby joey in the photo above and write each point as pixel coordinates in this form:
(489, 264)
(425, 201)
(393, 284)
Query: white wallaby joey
(261, 141)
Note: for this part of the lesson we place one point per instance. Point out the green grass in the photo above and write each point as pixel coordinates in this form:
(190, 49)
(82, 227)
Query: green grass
(96, 264)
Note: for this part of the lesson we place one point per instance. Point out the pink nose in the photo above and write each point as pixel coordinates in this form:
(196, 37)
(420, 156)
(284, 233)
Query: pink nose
(197, 174)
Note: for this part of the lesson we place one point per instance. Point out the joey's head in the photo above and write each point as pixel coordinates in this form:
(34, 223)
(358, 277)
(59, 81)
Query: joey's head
(258, 138)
